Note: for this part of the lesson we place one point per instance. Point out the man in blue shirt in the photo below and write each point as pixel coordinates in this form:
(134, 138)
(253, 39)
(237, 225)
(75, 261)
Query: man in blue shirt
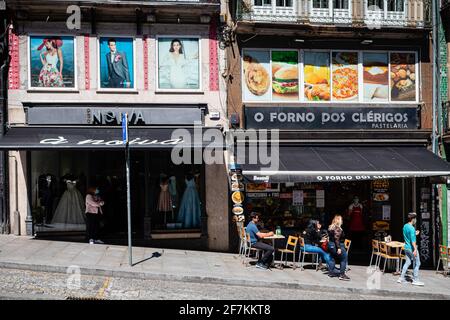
(255, 237)
(411, 251)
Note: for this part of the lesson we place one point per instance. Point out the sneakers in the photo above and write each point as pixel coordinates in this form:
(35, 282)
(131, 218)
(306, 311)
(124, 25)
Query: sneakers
(98, 241)
(91, 241)
(261, 266)
(332, 275)
(400, 280)
(344, 277)
(417, 283)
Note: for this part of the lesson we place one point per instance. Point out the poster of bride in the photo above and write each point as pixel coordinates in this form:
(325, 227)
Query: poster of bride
(178, 63)
(52, 62)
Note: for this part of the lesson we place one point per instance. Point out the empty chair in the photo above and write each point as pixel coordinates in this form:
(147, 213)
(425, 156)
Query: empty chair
(375, 252)
(384, 253)
(347, 244)
(291, 247)
(303, 253)
(443, 257)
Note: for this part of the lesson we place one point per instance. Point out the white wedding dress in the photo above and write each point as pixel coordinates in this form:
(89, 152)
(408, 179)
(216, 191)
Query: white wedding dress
(71, 207)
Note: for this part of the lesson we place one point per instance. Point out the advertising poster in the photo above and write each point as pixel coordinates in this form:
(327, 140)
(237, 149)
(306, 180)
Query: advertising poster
(317, 76)
(297, 197)
(116, 63)
(52, 62)
(386, 212)
(375, 77)
(178, 63)
(285, 75)
(403, 76)
(256, 75)
(345, 76)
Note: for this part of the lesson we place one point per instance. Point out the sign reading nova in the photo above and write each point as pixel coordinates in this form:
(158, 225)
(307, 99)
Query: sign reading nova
(323, 118)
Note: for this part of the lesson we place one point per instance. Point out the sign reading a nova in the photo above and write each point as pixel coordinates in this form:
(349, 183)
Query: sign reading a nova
(323, 118)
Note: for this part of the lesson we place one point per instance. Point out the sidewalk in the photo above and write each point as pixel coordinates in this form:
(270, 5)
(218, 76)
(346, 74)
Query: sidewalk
(195, 266)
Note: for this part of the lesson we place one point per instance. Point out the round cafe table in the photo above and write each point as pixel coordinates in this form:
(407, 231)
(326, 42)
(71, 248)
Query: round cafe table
(273, 238)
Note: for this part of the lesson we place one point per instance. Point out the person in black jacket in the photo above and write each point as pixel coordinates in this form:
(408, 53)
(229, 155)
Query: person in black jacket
(337, 249)
(313, 239)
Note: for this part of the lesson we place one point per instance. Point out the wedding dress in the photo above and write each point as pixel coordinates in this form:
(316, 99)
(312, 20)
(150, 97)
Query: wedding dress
(71, 207)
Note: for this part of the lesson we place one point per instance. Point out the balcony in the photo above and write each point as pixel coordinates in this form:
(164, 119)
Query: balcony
(374, 14)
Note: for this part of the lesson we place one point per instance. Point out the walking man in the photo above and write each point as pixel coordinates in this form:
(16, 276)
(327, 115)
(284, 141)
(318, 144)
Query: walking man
(411, 251)
(255, 238)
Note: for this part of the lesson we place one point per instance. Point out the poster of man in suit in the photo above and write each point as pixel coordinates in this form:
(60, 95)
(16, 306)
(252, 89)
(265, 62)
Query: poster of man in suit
(116, 63)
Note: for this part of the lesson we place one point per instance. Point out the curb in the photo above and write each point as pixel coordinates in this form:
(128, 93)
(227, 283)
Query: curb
(94, 271)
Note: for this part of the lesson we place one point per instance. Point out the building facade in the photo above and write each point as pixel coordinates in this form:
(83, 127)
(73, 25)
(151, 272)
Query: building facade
(348, 86)
(76, 68)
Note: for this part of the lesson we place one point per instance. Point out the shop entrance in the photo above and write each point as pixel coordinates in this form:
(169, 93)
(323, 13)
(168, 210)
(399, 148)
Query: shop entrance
(59, 180)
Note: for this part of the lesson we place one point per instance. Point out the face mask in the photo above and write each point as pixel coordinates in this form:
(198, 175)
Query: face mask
(97, 191)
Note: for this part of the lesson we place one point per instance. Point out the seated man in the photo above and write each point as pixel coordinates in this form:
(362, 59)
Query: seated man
(255, 238)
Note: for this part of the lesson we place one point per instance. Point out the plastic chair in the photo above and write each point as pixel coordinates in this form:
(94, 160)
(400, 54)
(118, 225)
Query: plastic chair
(347, 244)
(303, 253)
(291, 247)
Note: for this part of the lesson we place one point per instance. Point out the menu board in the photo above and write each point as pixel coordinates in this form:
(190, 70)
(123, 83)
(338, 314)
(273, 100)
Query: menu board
(317, 76)
(375, 77)
(285, 75)
(345, 76)
(403, 76)
(297, 197)
(256, 75)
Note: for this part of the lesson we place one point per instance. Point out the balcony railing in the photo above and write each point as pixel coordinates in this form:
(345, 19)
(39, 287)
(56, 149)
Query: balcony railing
(374, 14)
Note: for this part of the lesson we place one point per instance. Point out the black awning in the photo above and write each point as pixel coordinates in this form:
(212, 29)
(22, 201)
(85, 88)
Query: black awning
(29, 138)
(325, 164)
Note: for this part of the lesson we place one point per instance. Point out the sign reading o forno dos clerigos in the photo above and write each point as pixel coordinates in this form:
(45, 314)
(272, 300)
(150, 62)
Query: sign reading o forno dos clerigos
(332, 117)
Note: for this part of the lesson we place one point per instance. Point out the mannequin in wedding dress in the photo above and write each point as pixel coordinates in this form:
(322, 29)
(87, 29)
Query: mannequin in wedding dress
(71, 207)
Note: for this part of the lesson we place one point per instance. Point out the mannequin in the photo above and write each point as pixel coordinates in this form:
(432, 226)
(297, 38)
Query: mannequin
(173, 191)
(190, 211)
(71, 206)
(164, 201)
(47, 194)
(356, 224)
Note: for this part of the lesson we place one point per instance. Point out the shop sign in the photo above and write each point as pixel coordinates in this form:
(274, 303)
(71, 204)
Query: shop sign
(336, 117)
(136, 141)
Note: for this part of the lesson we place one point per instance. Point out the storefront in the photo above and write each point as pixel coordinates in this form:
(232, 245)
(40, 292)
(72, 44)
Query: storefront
(71, 148)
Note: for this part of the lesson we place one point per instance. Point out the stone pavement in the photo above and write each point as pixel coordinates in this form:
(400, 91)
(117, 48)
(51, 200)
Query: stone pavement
(27, 253)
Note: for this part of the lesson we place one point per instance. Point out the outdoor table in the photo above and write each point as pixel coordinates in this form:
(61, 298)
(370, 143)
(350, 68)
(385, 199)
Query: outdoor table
(273, 238)
(397, 246)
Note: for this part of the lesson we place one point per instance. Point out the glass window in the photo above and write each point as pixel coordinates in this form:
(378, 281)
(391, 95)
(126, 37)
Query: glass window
(320, 4)
(395, 5)
(375, 5)
(340, 4)
(284, 3)
(263, 3)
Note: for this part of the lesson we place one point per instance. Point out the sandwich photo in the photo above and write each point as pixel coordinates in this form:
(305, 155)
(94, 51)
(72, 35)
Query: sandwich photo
(285, 79)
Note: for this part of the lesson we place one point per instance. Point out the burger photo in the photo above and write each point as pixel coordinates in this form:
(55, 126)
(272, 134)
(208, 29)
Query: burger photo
(285, 79)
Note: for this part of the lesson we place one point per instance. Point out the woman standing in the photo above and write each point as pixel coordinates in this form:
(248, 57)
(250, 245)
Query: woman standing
(337, 249)
(93, 210)
(51, 75)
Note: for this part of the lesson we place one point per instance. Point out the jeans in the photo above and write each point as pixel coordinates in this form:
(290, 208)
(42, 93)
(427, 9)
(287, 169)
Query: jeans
(415, 262)
(268, 252)
(343, 258)
(324, 255)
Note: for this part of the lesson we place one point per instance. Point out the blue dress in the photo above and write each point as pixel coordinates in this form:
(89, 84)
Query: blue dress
(190, 211)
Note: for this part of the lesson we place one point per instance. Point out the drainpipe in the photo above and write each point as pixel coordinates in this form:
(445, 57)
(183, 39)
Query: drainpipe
(16, 212)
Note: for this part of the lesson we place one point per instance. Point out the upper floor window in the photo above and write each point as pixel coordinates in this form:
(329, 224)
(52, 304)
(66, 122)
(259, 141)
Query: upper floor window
(374, 5)
(320, 4)
(284, 3)
(340, 4)
(395, 5)
(263, 3)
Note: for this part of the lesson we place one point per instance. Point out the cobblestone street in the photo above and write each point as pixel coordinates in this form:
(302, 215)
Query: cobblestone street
(19, 284)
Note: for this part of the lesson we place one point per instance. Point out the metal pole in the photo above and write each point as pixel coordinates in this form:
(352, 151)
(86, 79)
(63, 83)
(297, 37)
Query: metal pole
(127, 155)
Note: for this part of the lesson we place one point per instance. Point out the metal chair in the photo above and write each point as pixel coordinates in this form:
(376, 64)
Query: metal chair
(443, 256)
(375, 252)
(242, 240)
(384, 253)
(291, 248)
(303, 253)
(249, 249)
(402, 256)
(347, 244)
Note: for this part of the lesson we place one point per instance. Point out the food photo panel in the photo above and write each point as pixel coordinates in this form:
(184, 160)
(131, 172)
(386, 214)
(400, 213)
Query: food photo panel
(256, 75)
(345, 76)
(403, 76)
(375, 77)
(317, 76)
(285, 75)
